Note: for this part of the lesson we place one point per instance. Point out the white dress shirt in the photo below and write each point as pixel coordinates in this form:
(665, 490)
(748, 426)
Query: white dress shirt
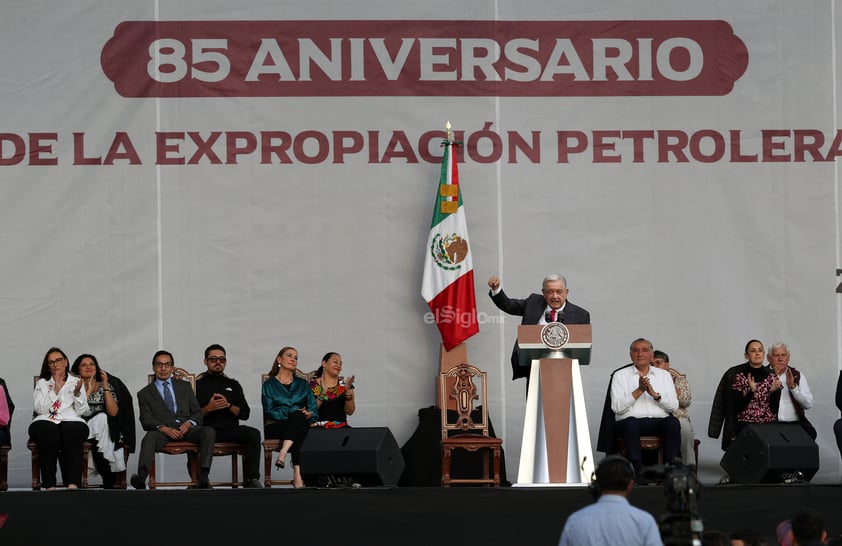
(627, 380)
(62, 405)
(801, 393)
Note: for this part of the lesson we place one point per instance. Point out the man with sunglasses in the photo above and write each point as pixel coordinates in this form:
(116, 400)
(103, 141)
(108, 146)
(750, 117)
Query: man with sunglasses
(224, 406)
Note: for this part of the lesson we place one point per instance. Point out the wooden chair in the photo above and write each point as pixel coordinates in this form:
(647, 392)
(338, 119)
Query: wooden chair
(232, 449)
(696, 443)
(459, 387)
(178, 447)
(120, 481)
(656, 443)
(270, 447)
(4, 467)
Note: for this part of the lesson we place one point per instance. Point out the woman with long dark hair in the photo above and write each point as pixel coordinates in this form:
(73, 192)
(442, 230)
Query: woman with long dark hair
(58, 427)
(334, 394)
(110, 417)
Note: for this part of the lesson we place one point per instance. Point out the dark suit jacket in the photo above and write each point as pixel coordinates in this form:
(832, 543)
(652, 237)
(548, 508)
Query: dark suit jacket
(727, 403)
(839, 393)
(606, 438)
(155, 413)
(531, 309)
(122, 425)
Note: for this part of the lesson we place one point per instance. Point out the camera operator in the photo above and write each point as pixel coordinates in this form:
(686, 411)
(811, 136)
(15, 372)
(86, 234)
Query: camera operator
(611, 519)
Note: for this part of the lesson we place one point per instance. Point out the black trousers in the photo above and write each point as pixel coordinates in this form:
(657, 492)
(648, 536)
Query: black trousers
(102, 466)
(295, 428)
(59, 442)
(251, 438)
(631, 429)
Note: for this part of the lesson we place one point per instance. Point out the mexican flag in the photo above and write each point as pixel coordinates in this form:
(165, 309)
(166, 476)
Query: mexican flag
(448, 285)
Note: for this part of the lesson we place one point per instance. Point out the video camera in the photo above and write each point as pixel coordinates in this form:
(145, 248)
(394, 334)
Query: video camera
(682, 524)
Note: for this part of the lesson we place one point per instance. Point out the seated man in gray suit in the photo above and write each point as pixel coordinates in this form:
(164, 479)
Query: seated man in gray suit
(169, 411)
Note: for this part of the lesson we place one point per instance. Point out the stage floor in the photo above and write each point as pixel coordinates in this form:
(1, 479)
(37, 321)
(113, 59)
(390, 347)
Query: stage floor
(368, 516)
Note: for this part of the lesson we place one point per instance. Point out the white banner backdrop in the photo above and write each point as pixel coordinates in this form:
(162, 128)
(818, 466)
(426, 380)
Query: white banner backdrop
(298, 215)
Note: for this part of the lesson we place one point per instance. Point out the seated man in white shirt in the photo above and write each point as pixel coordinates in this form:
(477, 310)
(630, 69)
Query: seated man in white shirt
(795, 394)
(643, 398)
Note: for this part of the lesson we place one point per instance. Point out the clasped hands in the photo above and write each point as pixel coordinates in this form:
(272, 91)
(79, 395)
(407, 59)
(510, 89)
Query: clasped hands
(646, 386)
(176, 433)
(218, 402)
(776, 382)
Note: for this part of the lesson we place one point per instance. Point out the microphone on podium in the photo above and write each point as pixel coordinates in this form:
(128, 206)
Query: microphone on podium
(548, 316)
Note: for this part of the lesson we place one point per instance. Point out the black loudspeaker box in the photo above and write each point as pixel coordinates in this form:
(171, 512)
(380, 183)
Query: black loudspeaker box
(771, 453)
(350, 456)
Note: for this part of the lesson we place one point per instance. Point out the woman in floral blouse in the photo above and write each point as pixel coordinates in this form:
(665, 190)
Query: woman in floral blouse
(334, 394)
(756, 392)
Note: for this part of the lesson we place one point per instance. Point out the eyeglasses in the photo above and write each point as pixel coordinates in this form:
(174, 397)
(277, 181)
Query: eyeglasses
(214, 359)
(163, 364)
(56, 362)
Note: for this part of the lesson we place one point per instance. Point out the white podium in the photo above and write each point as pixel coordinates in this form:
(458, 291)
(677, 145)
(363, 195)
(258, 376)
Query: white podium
(556, 445)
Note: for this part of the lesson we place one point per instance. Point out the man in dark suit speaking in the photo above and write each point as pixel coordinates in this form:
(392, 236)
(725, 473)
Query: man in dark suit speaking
(170, 411)
(549, 306)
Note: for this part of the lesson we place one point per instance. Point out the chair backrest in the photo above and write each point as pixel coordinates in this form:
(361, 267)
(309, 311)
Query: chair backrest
(180, 374)
(469, 413)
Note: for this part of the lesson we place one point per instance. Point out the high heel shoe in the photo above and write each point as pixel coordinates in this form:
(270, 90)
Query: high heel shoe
(280, 464)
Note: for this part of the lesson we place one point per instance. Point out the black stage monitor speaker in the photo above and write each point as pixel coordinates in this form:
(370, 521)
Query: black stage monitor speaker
(346, 456)
(771, 453)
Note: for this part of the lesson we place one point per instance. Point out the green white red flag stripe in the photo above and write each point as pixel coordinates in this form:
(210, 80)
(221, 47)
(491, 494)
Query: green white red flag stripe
(448, 284)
